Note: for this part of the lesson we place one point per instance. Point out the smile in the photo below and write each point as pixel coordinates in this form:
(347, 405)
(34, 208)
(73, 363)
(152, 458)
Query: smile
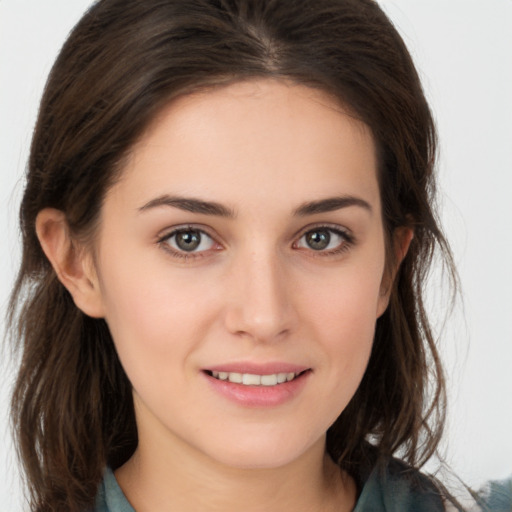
(249, 386)
(250, 379)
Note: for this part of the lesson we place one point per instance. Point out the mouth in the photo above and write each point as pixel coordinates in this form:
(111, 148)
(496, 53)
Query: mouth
(252, 379)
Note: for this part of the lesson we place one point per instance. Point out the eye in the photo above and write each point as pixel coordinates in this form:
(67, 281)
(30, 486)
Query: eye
(188, 240)
(324, 239)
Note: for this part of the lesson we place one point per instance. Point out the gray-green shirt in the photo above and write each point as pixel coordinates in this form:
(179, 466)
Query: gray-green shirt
(393, 489)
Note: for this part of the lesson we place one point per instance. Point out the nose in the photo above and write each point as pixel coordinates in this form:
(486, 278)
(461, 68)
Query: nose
(260, 305)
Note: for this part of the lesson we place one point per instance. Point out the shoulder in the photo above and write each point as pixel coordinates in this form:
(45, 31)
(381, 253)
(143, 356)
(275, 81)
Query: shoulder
(497, 496)
(110, 497)
(395, 487)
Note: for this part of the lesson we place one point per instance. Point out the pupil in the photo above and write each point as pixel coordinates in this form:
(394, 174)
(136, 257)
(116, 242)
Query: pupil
(188, 240)
(318, 240)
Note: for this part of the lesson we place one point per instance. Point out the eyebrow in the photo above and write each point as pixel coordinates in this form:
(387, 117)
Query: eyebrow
(189, 204)
(194, 205)
(331, 204)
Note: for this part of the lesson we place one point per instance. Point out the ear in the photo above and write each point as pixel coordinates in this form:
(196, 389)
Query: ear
(73, 264)
(402, 238)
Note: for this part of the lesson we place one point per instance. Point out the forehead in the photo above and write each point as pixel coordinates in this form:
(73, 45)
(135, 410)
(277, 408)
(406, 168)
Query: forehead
(259, 138)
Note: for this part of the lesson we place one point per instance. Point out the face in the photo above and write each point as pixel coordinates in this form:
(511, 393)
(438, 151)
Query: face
(240, 263)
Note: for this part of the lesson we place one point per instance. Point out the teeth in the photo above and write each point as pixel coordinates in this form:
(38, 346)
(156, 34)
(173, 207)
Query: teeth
(250, 379)
(237, 378)
(269, 380)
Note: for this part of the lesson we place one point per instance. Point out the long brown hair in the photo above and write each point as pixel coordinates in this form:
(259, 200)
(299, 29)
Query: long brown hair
(72, 405)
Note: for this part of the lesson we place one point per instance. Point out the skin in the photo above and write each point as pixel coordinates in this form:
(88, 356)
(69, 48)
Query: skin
(254, 290)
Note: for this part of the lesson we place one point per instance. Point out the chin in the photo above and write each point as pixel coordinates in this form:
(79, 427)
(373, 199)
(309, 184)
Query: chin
(265, 453)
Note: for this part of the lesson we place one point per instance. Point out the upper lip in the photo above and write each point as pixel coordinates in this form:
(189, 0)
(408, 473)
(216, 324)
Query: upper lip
(257, 368)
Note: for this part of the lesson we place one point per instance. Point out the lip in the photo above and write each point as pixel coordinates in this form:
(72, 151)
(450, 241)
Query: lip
(257, 368)
(258, 396)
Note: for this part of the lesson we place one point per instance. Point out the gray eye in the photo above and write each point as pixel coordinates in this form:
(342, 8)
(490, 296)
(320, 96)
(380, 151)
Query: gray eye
(190, 240)
(323, 239)
(319, 239)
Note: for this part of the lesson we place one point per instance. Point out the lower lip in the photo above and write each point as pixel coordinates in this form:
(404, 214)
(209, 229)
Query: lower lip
(259, 396)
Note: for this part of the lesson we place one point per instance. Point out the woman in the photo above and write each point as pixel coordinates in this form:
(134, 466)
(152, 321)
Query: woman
(227, 223)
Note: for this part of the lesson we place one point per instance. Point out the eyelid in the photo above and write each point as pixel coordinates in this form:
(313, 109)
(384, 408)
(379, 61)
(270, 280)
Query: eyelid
(166, 233)
(174, 230)
(169, 232)
(345, 233)
(342, 230)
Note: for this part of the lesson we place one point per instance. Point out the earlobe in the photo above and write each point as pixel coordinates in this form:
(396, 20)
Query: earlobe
(72, 264)
(402, 239)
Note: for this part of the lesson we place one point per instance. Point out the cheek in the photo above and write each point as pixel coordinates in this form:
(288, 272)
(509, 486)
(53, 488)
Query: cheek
(152, 313)
(342, 315)
(347, 301)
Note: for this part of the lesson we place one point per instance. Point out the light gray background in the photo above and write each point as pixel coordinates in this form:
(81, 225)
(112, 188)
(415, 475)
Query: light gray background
(463, 49)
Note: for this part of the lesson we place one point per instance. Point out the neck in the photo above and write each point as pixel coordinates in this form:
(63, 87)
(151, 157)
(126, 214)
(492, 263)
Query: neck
(160, 480)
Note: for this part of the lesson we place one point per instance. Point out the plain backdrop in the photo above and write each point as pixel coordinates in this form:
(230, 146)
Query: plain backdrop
(463, 49)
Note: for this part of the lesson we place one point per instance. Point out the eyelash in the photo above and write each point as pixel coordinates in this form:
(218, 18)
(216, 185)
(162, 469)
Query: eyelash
(346, 243)
(164, 242)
